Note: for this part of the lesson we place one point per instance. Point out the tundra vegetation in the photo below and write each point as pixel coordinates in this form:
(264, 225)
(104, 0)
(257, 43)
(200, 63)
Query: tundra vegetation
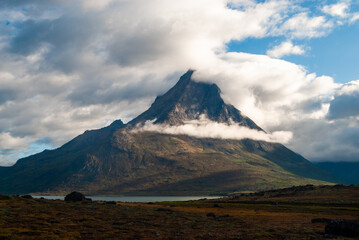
(303, 212)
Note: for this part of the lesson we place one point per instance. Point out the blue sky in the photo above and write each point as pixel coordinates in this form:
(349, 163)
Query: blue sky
(334, 54)
(290, 65)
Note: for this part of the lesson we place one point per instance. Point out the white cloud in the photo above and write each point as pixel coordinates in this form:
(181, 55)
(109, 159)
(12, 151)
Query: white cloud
(95, 4)
(10, 144)
(238, 4)
(284, 49)
(349, 88)
(204, 128)
(337, 10)
(266, 89)
(354, 17)
(303, 26)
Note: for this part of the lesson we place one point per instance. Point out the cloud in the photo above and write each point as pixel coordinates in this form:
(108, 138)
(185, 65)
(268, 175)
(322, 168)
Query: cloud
(344, 106)
(96, 5)
(241, 4)
(337, 10)
(302, 26)
(345, 103)
(340, 12)
(332, 135)
(10, 144)
(284, 49)
(67, 67)
(266, 89)
(204, 128)
(320, 140)
(354, 18)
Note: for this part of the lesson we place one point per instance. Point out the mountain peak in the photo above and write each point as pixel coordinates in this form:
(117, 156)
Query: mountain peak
(188, 100)
(115, 160)
(186, 78)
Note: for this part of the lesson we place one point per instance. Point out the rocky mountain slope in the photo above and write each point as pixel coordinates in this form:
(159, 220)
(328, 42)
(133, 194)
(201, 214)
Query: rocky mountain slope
(118, 160)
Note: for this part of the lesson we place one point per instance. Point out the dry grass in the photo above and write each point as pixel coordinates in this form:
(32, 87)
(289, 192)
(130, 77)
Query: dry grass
(55, 219)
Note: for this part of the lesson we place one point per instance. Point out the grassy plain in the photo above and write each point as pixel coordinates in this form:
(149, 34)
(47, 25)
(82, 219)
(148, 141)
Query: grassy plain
(282, 214)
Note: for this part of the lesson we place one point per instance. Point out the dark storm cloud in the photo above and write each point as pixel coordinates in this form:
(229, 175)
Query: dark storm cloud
(344, 106)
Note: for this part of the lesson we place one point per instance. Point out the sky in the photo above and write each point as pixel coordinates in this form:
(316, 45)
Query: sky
(68, 66)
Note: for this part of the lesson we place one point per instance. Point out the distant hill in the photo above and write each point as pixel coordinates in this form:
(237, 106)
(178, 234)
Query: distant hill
(119, 160)
(348, 172)
(307, 195)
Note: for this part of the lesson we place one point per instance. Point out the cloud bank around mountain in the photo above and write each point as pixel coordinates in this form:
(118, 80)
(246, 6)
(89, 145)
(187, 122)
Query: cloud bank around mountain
(67, 67)
(205, 128)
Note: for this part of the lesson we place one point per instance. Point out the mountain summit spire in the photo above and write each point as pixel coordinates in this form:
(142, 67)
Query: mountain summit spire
(188, 100)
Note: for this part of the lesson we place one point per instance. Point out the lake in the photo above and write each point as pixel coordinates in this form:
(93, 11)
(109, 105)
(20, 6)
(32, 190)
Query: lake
(137, 198)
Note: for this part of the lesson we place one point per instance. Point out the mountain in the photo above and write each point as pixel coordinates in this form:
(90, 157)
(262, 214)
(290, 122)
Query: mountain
(188, 100)
(348, 172)
(119, 160)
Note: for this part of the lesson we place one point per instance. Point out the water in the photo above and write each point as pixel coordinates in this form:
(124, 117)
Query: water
(137, 198)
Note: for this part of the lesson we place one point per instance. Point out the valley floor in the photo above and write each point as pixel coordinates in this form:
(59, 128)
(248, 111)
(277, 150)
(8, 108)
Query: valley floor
(256, 217)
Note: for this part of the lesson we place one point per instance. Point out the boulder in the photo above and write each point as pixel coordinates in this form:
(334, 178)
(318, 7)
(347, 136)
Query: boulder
(27, 196)
(75, 197)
